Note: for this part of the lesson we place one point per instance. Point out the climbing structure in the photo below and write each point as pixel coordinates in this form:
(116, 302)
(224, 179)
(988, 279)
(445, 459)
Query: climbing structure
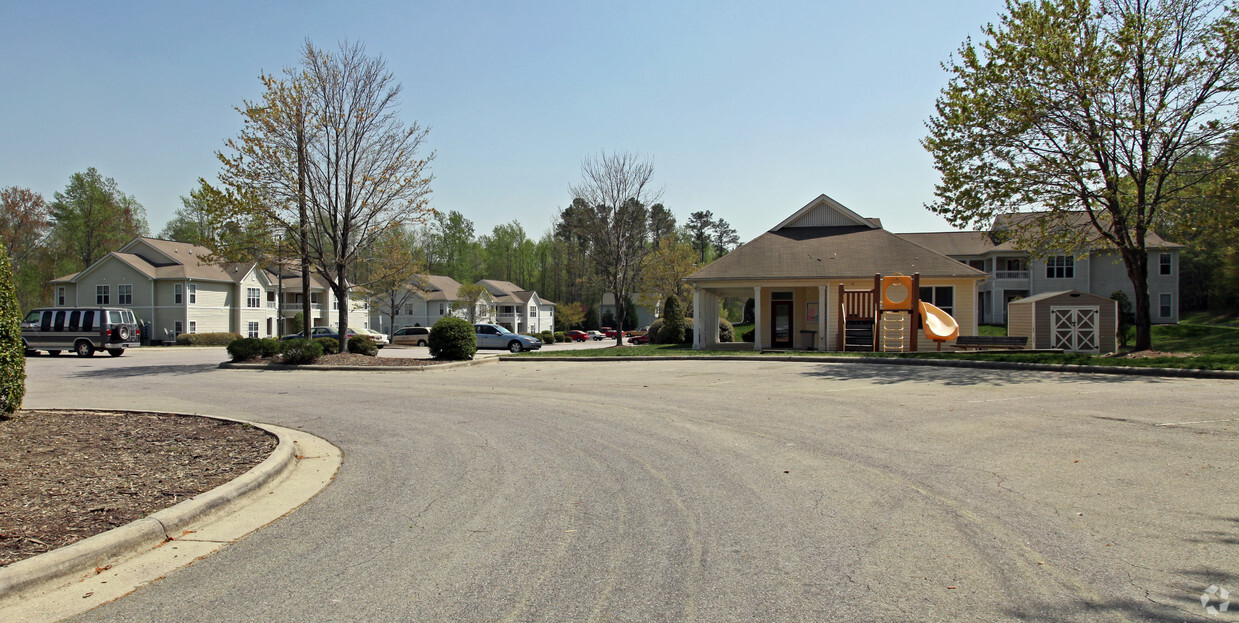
(883, 318)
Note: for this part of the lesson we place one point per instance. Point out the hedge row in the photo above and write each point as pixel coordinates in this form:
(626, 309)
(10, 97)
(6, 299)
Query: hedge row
(207, 339)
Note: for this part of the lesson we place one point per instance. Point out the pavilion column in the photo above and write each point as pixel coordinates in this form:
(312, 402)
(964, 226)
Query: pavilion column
(759, 331)
(822, 341)
(697, 319)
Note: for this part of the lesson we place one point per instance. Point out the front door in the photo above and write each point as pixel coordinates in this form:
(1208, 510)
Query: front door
(781, 324)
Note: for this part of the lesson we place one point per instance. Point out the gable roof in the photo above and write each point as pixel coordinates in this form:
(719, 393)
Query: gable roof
(954, 243)
(848, 252)
(439, 288)
(167, 259)
(1077, 221)
(826, 212)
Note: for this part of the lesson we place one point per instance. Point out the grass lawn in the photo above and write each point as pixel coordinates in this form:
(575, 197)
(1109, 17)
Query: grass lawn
(1216, 347)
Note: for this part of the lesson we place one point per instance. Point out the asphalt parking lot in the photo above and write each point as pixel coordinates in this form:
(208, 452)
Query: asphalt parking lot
(709, 491)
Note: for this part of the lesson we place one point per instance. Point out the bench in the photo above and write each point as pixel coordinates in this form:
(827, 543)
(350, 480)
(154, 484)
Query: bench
(980, 342)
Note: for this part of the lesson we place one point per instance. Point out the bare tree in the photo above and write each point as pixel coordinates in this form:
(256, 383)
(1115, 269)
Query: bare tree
(331, 138)
(616, 190)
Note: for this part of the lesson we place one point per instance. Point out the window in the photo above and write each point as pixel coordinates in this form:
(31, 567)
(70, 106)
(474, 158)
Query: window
(442, 308)
(253, 298)
(60, 321)
(782, 296)
(193, 326)
(942, 297)
(75, 318)
(178, 328)
(60, 296)
(1164, 264)
(977, 264)
(253, 329)
(88, 320)
(177, 297)
(1060, 267)
(102, 296)
(124, 294)
(1165, 307)
(193, 298)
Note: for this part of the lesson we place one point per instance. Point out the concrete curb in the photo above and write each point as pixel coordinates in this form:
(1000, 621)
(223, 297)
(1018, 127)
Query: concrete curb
(228, 365)
(938, 363)
(73, 560)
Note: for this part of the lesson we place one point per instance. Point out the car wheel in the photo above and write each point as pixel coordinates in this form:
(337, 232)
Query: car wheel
(54, 353)
(115, 352)
(514, 347)
(84, 349)
(421, 342)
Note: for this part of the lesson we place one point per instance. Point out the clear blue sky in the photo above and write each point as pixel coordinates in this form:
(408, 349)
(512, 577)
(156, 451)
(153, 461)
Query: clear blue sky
(747, 109)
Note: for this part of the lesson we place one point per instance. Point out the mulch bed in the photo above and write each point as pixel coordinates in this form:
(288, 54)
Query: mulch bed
(353, 359)
(68, 475)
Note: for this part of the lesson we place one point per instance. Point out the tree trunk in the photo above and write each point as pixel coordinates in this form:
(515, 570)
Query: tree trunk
(1137, 264)
(303, 234)
(340, 288)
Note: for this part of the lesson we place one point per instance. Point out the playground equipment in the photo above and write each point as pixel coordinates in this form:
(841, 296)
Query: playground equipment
(887, 316)
(939, 325)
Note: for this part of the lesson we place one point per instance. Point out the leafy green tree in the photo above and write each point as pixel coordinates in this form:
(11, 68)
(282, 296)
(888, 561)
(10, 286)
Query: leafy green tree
(569, 316)
(452, 249)
(724, 238)
(700, 225)
(673, 328)
(394, 273)
(473, 299)
(1085, 112)
(92, 217)
(608, 319)
(670, 262)
(12, 355)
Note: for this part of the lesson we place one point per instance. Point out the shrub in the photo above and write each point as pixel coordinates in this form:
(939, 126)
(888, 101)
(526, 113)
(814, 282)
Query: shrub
(329, 345)
(363, 345)
(301, 351)
(560, 337)
(547, 337)
(245, 348)
(270, 346)
(749, 335)
(207, 339)
(655, 331)
(296, 323)
(453, 339)
(12, 354)
(673, 322)
(726, 332)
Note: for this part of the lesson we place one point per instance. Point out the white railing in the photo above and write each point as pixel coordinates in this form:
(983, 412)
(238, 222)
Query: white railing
(1011, 274)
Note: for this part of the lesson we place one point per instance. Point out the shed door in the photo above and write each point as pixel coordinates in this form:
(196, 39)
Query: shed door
(1074, 329)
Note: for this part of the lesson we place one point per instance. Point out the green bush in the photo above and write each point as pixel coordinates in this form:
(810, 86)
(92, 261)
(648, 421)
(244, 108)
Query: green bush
(207, 339)
(726, 332)
(330, 345)
(655, 331)
(12, 354)
(673, 322)
(245, 348)
(547, 337)
(749, 335)
(453, 339)
(270, 346)
(560, 337)
(363, 345)
(301, 351)
(296, 323)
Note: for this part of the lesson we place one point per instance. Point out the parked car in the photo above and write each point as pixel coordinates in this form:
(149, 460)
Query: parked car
(496, 336)
(318, 332)
(644, 338)
(380, 338)
(411, 336)
(80, 329)
(596, 336)
(608, 332)
(576, 336)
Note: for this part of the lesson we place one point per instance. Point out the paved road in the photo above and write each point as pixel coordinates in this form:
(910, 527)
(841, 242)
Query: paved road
(709, 491)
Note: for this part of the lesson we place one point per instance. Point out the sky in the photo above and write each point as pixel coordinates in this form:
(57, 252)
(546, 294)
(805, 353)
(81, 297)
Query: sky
(747, 109)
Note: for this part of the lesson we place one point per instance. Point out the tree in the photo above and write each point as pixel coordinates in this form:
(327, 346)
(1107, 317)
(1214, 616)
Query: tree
(615, 188)
(674, 327)
(91, 218)
(473, 299)
(451, 247)
(670, 262)
(662, 222)
(395, 273)
(1086, 112)
(570, 316)
(25, 222)
(699, 226)
(724, 238)
(12, 354)
(333, 129)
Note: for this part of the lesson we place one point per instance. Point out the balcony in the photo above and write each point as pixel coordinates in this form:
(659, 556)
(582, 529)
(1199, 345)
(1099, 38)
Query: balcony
(1011, 274)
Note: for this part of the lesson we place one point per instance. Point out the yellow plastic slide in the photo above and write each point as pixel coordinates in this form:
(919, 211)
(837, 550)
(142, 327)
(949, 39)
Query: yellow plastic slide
(939, 325)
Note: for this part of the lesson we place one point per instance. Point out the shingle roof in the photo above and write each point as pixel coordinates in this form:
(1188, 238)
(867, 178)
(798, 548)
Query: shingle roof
(830, 252)
(955, 243)
(1078, 221)
(440, 288)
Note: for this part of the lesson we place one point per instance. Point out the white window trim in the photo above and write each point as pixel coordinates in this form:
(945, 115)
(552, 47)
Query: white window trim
(1168, 305)
(103, 295)
(178, 297)
(192, 289)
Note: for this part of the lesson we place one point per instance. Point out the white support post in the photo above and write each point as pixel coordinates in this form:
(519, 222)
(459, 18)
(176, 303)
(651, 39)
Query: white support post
(758, 333)
(821, 318)
(697, 337)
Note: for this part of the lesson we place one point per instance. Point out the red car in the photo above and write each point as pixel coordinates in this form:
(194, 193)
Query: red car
(608, 332)
(644, 338)
(576, 336)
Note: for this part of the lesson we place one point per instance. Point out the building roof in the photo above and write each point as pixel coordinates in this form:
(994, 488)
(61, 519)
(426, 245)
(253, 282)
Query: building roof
(1077, 221)
(439, 288)
(1046, 295)
(167, 259)
(508, 292)
(957, 243)
(844, 252)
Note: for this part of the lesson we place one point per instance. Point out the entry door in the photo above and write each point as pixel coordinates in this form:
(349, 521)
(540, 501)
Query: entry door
(1074, 329)
(781, 324)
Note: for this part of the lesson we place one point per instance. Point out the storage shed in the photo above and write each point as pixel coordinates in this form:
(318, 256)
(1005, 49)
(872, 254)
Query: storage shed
(1074, 321)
